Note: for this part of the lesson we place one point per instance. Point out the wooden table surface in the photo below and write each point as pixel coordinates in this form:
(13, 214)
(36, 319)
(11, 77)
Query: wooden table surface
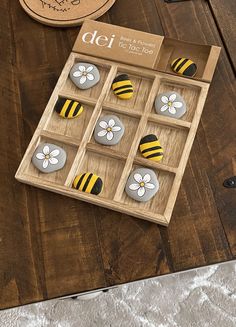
(50, 245)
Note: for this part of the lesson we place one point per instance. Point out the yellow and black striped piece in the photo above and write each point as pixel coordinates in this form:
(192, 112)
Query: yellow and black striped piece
(184, 67)
(122, 87)
(67, 108)
(89, 183)
(151, 148)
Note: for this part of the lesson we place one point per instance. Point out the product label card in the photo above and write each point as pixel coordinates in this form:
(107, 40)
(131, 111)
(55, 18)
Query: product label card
(118, 44)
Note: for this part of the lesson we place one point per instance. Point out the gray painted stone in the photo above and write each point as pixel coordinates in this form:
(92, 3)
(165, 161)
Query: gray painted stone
(84, 75)
(170, 104)
(49, 158)
(142, 184)
(109, 130)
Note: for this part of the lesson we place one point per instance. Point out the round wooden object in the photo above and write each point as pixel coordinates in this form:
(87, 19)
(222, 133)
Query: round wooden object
(62, 13)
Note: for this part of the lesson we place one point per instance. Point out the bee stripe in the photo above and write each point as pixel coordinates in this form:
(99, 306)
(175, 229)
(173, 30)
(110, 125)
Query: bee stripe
(154, 155)
(87, 182)
(181, 65)
(92, 183)
(151, 149)
(175, 62)
(149, 145)
(68, 109)
(72, 109)
(67, 103)
(78, 181)
(78, 109)
(178, 63)
(124, 92)
(186, 66)
(122, 87)
(84, 181)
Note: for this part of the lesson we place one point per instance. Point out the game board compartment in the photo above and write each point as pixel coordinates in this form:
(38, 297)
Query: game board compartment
(205, 57)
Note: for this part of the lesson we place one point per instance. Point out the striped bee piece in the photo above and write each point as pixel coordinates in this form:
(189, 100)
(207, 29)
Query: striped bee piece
(89, 183)
(151, 148)
(67, 108)
(184, 66)
(122, 87)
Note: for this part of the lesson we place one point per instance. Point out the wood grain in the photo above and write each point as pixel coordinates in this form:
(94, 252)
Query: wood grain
(52, 246)
(224, 14)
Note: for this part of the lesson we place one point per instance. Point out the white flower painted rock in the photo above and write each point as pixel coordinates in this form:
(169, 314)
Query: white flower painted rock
(109, 130)
(170, 104)
(49, 158)
(142, 184)
(84, 75)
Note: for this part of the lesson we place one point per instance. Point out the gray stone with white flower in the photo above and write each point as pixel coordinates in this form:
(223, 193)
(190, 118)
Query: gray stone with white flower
(170, 104)
(109, 130)
(142, 184)
(84, 75)
(49, 158)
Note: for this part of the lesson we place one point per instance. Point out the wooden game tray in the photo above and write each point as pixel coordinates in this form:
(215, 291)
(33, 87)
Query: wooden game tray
(114, 164)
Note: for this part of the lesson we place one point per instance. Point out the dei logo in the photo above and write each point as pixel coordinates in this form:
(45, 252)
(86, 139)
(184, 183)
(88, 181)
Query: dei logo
(99, 40)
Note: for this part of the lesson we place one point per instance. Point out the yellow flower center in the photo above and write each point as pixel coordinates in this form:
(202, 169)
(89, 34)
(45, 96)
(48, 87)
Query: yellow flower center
(169, 103)
(84, 73)
(109, 129)
(142, 184)
(47, 156)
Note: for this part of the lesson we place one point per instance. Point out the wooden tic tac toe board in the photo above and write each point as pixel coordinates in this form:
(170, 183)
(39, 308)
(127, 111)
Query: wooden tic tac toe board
(114, 164)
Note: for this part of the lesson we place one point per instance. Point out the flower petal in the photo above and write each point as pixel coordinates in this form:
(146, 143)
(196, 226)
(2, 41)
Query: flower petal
(103, 124)
(177, 104)
(83, 79)
(45, 163)
(141, 191)
(90, 77)
(89, 69)
(150, 186)
(172, 97)
(82, 68)
(111, 123)
(164, 108)
(110, 136)
(134, 187)
(138, 178)
(53, 161)
(40, 156)
(54, 153)
(116, 129)
(77, 74)
(146, 178)
(164, 99)
(172, 110)
(102, 133)
(46, 150)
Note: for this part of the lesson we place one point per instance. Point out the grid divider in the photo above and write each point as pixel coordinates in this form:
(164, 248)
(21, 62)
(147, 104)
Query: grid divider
(141, 128)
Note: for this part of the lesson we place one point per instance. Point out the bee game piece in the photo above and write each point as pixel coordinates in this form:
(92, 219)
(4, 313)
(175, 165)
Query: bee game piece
(84, 75)
(142, 184)
(151, 148)
(89, 183)
(184, 66)
(122, 87)
(67, 108)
